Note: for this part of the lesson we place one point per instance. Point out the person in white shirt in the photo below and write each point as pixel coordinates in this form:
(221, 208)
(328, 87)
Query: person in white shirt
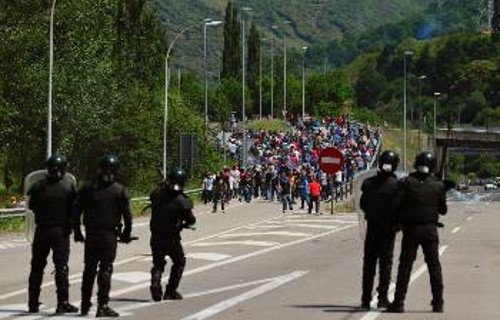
(208, 187)
(235, 173)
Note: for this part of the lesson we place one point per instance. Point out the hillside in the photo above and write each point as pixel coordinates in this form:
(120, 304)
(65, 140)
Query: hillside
(300, 22)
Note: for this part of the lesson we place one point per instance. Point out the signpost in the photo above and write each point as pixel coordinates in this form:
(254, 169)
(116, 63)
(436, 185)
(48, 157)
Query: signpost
(331, 161)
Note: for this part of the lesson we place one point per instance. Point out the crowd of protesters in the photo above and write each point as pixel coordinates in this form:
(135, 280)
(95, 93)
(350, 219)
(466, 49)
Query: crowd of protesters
(285, 165)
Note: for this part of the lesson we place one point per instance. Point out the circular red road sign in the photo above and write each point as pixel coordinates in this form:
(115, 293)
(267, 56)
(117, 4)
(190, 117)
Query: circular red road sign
(331, 160)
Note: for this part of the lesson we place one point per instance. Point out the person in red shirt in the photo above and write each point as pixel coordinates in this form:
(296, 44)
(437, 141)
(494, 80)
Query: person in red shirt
(314, 193)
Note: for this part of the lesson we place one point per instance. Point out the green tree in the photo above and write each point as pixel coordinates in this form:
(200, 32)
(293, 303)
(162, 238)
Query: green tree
(495, 21)
(253, 65)
(231, 55)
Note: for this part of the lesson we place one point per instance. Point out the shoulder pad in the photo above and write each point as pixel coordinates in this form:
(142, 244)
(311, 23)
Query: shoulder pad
(36, 187)
(185, 202)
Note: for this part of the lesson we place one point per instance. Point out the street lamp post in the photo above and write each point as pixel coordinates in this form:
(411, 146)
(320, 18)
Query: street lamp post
(436, 95)
(165, 115)
(406, 54)
(205, 25)
(51, 64)
(272, 77)
(243, 62)
(284, 69)
(272, 73)
(421, 78)
(304, 50)
(260, 78)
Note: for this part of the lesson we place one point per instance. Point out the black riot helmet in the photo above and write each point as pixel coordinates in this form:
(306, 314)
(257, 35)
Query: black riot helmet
(108, 168)
(177, 179)
(425, 162)
(56, 167)
(388, 161)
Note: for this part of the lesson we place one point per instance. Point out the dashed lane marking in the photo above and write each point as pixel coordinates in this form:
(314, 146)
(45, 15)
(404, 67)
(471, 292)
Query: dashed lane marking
(313, 226)
(455, 230)
(323, 221)
(231, 302)
(209, 256)
(244, 243)
(132, 277)
(267, 233)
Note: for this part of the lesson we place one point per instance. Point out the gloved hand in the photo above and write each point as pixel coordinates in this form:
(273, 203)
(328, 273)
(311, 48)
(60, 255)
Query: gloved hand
(189, 226)
(78, 236)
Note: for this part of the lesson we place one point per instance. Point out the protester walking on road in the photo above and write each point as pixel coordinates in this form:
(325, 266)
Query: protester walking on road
(219, 192)
(171, 212)
(380, 201)
(314, 195)
(103, 202)
(424, 199)
(286, 191)
(52, 200)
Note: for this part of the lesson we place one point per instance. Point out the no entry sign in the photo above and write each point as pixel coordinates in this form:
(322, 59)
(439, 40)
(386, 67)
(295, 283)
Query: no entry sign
(331, 160)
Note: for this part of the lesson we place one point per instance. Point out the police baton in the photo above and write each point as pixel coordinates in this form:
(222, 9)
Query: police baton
(128, 240)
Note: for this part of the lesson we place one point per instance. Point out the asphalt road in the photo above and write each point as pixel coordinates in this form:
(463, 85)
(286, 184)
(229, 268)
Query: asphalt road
(253, 262)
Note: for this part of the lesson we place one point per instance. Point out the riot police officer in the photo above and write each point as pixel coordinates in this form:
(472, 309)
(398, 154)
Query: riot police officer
(424, 200)
(103, 202)
(51, 200)
(380, 201)
(171, 212)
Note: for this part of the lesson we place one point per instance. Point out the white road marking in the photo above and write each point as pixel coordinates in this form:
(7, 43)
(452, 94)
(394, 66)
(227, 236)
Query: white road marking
(77, 276)
(208, 256)
(269, 226)
(322, 221)
(267, 233)
(132, 277)
(469, 218)
(208, 292)
(226, 304)
(313, 226)
(13, 244)
(455, 230)
(372, 315)
(229, 243)
(235, 259)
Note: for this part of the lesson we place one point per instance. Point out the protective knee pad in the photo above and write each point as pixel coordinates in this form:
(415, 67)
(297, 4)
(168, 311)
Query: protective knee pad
(155, 288)
(156, 277)
(105, 271)
(62, 269)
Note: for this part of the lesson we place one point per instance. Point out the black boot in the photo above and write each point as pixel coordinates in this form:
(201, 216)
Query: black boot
(34, 307)
(65, 307)
(155, 288)
(437, 307)
(395, 307)
(105, 311)
(172, 295)
(383, 303)
(84, 308)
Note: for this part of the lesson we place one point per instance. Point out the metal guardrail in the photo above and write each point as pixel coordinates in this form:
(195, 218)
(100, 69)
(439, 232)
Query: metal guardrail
(12, 212)
(20, 212)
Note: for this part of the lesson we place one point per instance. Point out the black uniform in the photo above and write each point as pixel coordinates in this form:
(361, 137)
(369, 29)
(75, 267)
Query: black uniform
(52, 201)
(103, 204)
(424, 200)
(380, 200)
(171, 212)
